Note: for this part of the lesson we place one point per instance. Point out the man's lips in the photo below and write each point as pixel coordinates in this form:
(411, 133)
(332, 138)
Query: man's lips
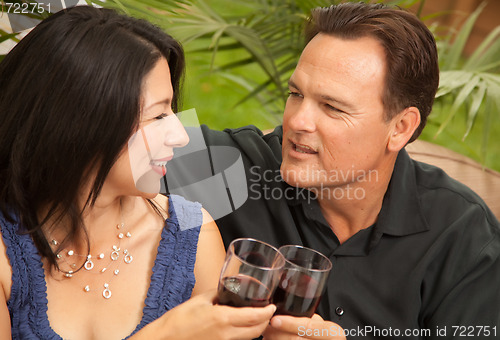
(302, 148)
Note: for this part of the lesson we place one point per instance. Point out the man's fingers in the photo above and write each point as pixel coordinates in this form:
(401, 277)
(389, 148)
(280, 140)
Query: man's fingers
(317, 317)
(309, 328)
(288, 324)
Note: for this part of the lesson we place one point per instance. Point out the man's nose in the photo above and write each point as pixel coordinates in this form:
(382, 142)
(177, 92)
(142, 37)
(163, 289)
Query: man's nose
(301, 117)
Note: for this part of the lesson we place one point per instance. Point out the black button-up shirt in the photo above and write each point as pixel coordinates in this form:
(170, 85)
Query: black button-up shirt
(428, 268)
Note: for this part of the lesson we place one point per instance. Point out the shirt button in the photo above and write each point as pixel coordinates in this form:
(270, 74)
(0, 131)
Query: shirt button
(339, 311)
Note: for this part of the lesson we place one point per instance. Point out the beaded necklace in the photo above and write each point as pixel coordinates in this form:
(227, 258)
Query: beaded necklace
(70, 257)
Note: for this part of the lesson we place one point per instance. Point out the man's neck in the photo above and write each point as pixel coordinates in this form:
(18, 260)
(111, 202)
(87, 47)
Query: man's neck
(356, 206)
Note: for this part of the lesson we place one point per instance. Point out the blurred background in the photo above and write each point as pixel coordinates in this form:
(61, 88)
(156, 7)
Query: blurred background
(240, 54)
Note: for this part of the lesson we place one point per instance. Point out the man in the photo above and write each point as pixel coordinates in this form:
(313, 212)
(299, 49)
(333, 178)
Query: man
(415, 254)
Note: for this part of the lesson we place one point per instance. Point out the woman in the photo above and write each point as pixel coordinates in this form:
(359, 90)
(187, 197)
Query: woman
(90, 251)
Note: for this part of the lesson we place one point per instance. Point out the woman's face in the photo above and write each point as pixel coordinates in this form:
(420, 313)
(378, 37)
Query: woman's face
(160, 131)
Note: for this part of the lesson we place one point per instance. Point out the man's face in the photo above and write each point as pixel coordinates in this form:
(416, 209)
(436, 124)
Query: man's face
(333, 127)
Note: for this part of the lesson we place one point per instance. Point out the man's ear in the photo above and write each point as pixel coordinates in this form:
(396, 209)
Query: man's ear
(403, 127)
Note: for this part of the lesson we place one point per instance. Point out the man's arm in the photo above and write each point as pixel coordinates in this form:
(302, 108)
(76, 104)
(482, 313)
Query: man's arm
(470, 306)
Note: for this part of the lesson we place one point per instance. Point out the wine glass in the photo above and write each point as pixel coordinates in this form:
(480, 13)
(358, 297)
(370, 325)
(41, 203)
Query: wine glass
(250, 274)
(302, 281)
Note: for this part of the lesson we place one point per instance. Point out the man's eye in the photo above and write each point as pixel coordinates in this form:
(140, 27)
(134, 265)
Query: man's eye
(294, 94)
(332, 108)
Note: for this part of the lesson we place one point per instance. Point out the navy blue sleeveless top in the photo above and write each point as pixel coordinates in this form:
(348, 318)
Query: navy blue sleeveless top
(171, 283)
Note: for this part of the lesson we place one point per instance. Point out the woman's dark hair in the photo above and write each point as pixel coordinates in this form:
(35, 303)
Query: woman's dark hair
(412, 75)
(70, 98)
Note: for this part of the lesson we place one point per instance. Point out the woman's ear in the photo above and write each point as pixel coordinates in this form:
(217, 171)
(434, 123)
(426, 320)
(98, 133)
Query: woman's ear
(404, 125)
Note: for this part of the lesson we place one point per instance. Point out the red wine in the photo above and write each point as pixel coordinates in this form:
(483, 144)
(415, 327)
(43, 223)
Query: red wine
(255, 258)
(298, 297)
(242, 291)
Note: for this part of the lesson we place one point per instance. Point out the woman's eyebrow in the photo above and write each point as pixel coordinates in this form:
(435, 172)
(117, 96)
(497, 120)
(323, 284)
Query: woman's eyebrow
(166, 101)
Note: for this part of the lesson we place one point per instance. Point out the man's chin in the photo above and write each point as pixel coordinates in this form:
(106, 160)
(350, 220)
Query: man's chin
(297, 177)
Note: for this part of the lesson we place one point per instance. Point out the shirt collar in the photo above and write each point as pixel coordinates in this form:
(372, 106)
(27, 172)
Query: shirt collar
(401, 212)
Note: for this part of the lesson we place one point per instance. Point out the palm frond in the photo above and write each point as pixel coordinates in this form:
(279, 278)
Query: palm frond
(450, 58)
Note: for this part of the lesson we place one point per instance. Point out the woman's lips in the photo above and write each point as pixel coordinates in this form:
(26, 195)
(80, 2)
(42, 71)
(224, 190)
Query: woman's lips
(159, 165)
(160, 169)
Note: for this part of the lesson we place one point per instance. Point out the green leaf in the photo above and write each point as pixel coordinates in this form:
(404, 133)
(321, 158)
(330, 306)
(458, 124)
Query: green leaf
(477, 100)
(257, 49)
(488, 50)
(459, 100)
(451, 80)
(451, 59)
(6, 36)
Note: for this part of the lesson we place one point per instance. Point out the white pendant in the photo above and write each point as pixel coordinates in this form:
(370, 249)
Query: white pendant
(106, 293)
(127, 258)
(89, 264)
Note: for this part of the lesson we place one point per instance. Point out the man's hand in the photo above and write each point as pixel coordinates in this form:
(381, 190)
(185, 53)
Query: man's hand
(283, 327)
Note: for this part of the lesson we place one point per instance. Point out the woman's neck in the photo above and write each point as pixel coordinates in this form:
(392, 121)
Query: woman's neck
(99, 226)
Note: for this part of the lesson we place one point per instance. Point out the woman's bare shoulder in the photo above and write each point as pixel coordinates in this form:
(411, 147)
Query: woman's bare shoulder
(5, 269)
(161, 202)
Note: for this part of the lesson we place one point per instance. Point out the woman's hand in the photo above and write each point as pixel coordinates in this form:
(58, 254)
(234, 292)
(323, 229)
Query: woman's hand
(199, 318)
(285, 327)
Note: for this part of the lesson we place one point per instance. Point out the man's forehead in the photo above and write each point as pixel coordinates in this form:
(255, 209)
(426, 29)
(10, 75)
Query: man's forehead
(361, 58)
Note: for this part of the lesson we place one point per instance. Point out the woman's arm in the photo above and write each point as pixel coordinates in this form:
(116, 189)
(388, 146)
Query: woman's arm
(199, 318)
(209, 257)
(4, 317)
(5, 284)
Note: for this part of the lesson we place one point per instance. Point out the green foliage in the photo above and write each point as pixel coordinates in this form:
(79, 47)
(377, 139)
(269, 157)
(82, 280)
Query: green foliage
(469, 92)
(263, 37)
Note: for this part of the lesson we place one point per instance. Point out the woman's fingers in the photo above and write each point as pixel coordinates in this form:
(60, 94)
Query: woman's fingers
(248, 316)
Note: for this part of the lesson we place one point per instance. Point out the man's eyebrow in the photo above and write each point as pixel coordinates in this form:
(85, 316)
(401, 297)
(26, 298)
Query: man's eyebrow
(167, 101)
(292, 84)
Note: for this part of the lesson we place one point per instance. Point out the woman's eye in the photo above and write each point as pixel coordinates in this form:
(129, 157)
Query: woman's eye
(163, 115)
